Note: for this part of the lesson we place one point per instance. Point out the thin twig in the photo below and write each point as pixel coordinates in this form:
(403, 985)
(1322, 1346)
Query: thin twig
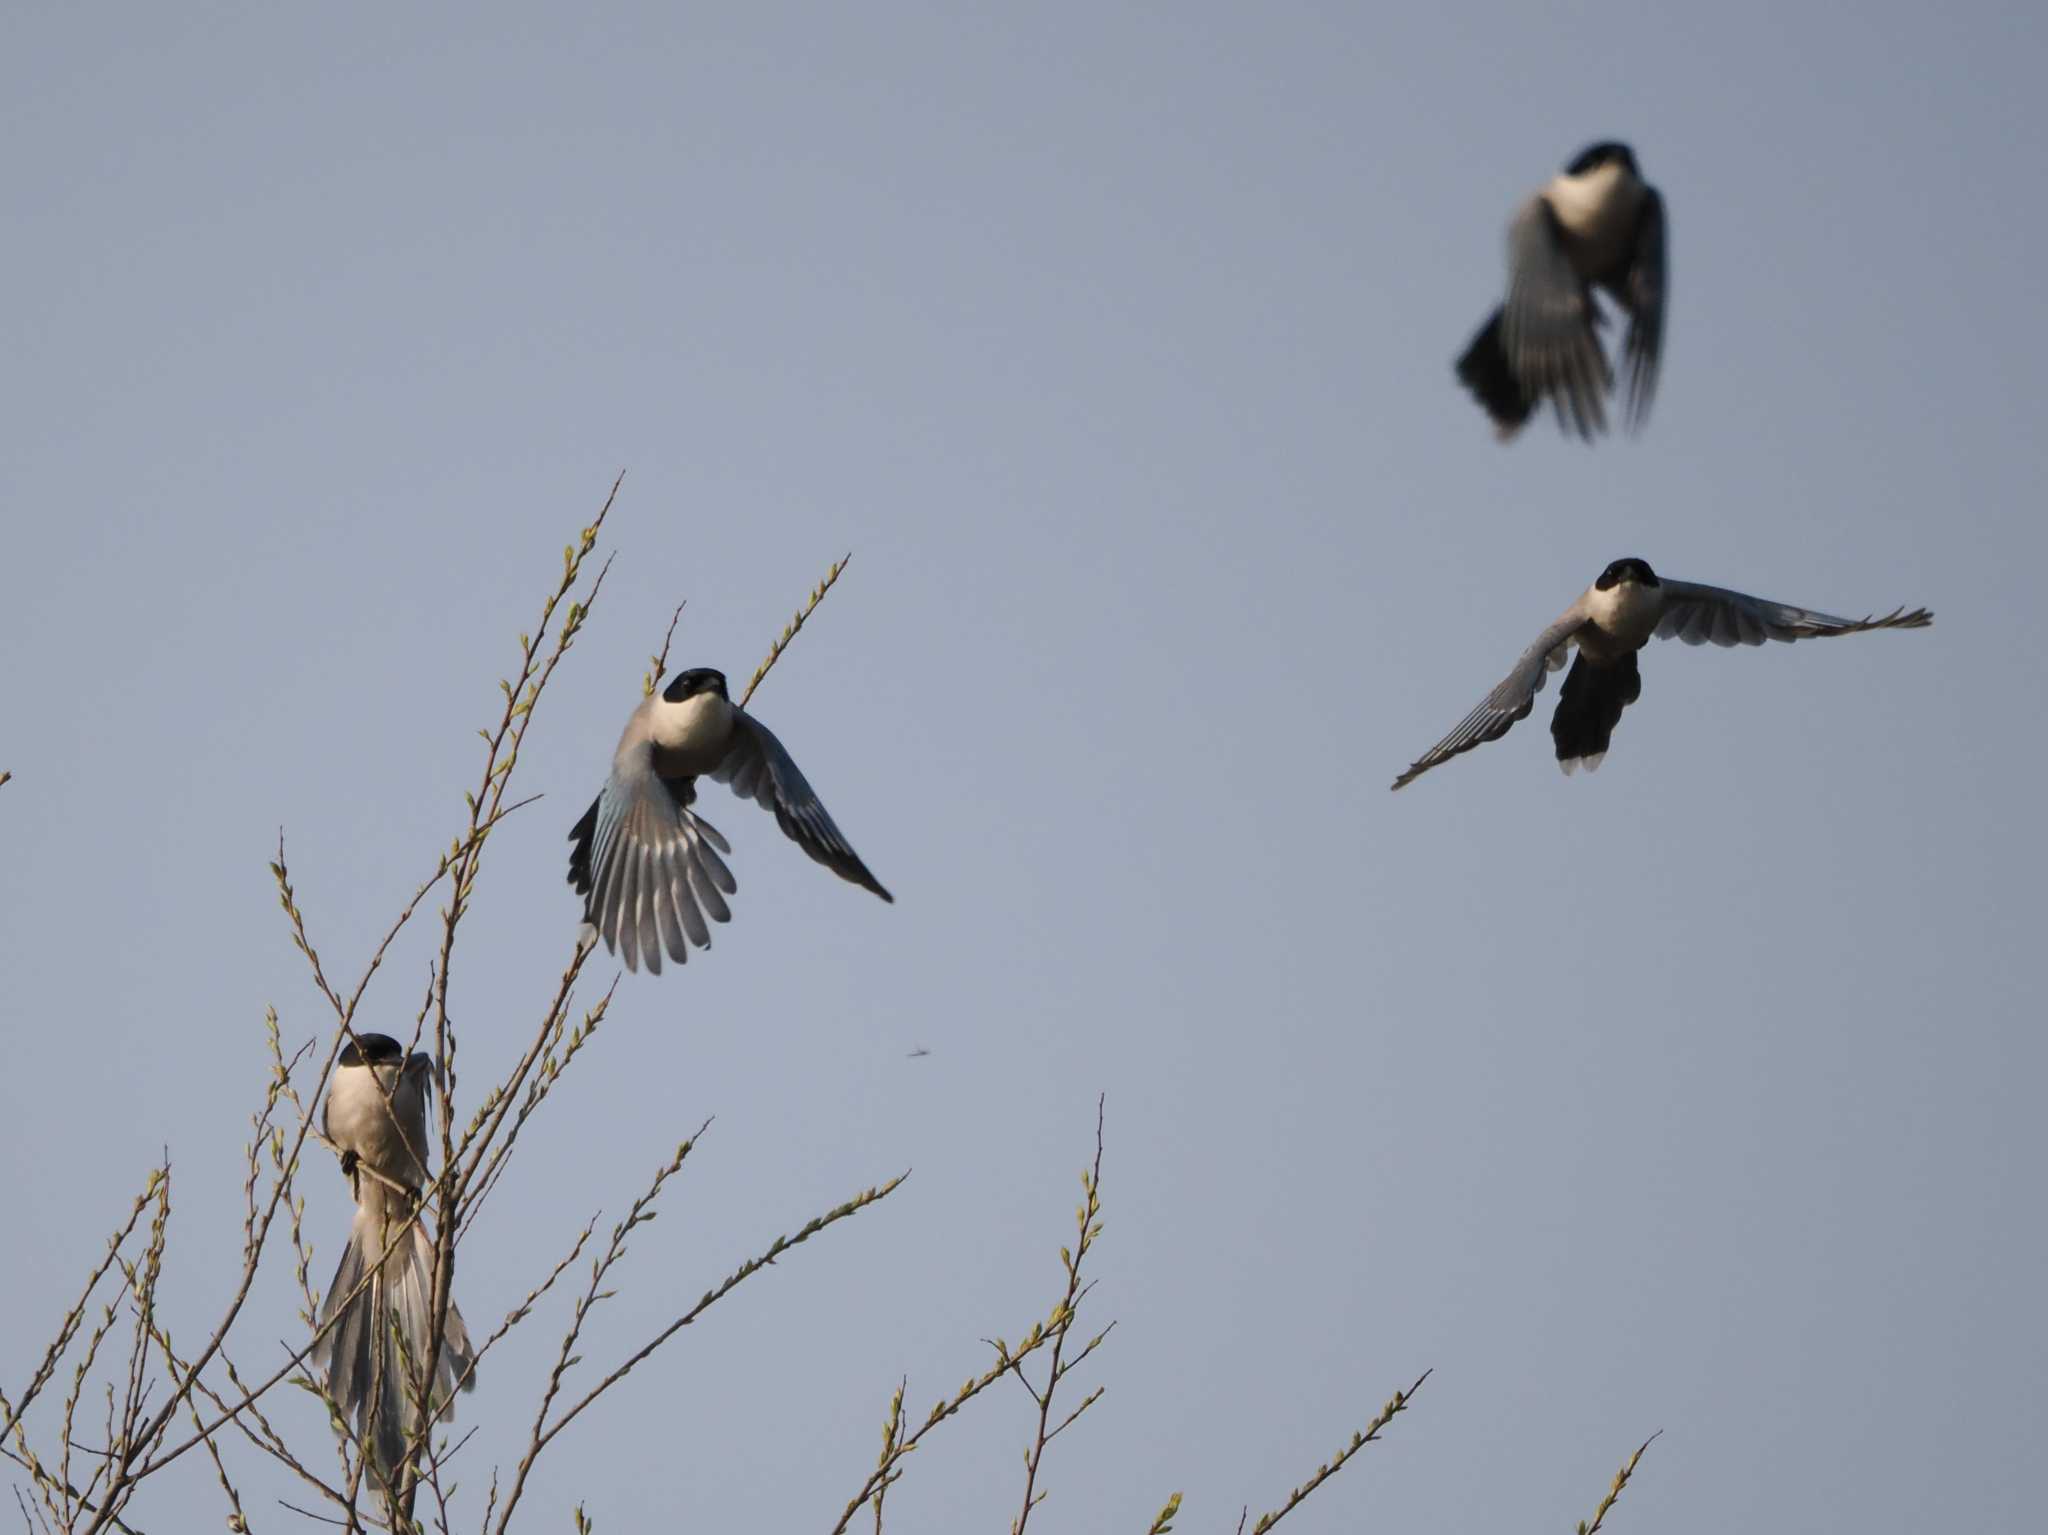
(1052, 1332)
(1628, 1469)
(892, 1438)
(543, 1436)
(520, 1312)
(795, 624)
(40, 1473)
(68, 1329)
(339, 1524)
(658, 664)
(1397, 1403)
(270, 1441)
(1163, 1525)
(1089, 1221)
(401, 1231)
(481, 1176)
(641, 1211)
(1037, 1338)
(236, 1520)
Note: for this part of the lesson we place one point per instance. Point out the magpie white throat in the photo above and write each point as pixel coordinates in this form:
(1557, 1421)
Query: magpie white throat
(690, 732)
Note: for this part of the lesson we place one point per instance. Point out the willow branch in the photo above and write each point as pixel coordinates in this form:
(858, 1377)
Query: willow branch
(1396, 1404)
(1628, 1469)
(794, 627)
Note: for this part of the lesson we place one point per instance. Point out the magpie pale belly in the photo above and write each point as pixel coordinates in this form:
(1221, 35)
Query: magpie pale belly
(389, 1134)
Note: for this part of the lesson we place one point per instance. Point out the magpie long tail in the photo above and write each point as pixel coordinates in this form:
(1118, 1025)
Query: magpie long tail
(1483, 369)
(1589, 706)
(375, 1350)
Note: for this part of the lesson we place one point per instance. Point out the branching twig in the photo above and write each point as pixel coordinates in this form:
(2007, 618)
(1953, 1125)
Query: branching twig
(1052, 1333)
(520, 1312)
(892, 1440)
(1089, 1221)
(641, 1212)
(885, 1473)
(725, 1287)
(68, 1329)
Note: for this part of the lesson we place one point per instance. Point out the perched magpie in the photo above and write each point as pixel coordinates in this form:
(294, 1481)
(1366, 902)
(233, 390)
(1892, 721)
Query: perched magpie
(381, 1312)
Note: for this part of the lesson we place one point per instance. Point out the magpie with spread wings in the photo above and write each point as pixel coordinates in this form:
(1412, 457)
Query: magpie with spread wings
(1613, 619)
(646, 863)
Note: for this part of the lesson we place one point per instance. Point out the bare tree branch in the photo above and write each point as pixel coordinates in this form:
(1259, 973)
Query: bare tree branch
(1090, 1223)
(68, 1328)
(642, 1211)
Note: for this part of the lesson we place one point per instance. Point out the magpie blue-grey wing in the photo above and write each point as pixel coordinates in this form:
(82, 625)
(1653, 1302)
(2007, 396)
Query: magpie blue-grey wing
(756, 767)
(1644, 290)
(1510, 701)
(1711, 614)
(647, 865)
(1549, 323)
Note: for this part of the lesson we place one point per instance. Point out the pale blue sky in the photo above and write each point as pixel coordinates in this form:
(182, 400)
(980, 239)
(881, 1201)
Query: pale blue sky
(1115, 342)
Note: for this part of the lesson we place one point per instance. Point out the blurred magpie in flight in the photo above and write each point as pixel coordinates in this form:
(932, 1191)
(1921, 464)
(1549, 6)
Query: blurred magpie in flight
(1599, 224)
